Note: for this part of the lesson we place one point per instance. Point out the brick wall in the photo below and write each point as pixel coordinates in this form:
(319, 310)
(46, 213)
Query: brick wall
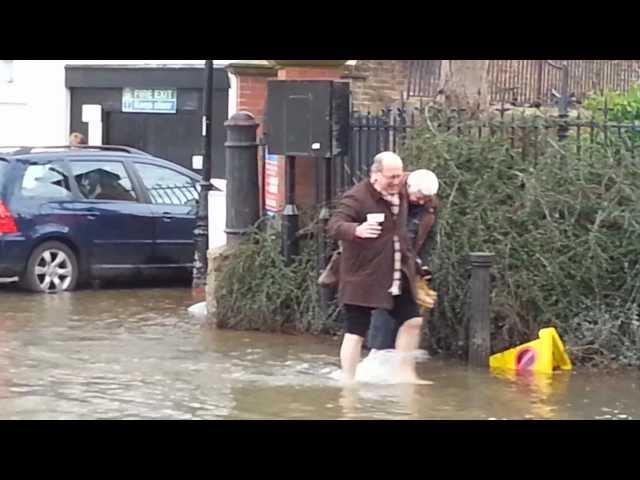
(309, 73)
(251, 93)
(376, 84)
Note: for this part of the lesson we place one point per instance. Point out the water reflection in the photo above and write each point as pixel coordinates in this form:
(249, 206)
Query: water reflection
(138, 354)
(543, 392)
(394, 401)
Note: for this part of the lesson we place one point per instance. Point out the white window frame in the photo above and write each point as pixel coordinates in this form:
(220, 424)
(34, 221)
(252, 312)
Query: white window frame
(6, 71)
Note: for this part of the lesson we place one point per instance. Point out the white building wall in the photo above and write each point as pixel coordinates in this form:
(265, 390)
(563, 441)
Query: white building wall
(34, 106)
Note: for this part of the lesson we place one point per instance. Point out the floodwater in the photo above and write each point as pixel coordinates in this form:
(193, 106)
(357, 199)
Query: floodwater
(138, 354)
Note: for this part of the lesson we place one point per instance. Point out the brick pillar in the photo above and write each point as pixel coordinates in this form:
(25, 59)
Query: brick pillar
(310, 73)
(251, 91)
(306, 166)
(251, 96)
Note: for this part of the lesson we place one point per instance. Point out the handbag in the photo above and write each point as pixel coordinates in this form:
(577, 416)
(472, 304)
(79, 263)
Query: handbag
(330, 276)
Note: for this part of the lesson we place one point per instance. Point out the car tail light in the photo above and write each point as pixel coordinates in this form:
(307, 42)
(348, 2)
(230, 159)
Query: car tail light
(7, 222)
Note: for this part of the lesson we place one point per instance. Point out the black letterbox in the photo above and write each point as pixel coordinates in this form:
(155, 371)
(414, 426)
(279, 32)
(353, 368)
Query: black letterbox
(307, 117)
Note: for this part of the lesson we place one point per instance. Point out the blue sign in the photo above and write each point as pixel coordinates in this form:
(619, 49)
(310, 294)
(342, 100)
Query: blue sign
(149, 100)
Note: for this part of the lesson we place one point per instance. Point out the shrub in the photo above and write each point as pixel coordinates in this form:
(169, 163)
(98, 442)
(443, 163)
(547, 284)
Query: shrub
(563, 224)
(564, 228)
(255, 290)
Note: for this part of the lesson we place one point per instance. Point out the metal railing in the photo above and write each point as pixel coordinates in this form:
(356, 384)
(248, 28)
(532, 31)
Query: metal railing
(423, 78)
(390, 129)
(528, 82)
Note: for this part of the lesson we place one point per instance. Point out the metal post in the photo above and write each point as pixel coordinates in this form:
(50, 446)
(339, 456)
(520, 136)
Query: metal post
(563, 107)
(201, 232)
(479, 325)
(243, 190)
(323, 169)
(290, 213)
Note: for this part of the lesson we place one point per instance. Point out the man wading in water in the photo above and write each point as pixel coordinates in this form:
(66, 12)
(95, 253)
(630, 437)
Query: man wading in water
(377, 264)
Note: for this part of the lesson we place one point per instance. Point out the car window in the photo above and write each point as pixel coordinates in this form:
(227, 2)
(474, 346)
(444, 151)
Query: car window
(48, 181)
(103, 181)
(168, 187)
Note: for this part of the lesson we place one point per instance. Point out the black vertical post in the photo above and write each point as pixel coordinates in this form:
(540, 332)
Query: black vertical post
(243, 189)
(201, 232)
(479, 331)
(290, 213)
(563, 107)
(324, 186)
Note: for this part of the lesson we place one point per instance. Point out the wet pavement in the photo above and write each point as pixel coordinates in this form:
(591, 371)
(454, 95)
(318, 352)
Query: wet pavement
(138, 354)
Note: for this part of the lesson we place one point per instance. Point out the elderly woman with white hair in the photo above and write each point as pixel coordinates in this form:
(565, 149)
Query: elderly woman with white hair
(421, 187)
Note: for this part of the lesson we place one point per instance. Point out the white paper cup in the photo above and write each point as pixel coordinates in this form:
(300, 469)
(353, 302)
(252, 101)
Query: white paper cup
(375, 217)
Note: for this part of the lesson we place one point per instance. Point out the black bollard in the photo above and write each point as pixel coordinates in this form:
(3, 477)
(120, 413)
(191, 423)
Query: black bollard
(479, 330)
(243, 190)
(290, 247)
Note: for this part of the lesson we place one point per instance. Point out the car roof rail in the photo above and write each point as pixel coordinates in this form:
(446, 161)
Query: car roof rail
(113, 148)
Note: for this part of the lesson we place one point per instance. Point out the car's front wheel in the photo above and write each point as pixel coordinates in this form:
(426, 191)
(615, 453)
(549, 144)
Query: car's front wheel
(52, 268)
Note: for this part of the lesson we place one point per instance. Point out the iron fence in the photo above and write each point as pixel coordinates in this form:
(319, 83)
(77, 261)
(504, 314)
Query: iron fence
(423, 78)
(527, 82)
(390, 129)
(370, 134)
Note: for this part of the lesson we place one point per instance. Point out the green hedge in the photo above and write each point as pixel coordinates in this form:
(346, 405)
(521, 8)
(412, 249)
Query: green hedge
(564, 227)
(565, 231)
(255, 290)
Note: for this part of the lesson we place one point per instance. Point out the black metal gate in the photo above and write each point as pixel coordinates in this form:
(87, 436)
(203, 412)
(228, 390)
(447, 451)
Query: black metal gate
(369, 135)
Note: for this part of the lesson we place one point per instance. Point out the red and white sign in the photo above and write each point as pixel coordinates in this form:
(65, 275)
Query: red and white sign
(273, 186)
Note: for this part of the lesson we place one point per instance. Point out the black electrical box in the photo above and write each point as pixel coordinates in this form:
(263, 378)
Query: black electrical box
(307, 118)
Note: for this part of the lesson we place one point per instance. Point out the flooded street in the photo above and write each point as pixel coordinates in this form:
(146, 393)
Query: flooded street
(138, 354)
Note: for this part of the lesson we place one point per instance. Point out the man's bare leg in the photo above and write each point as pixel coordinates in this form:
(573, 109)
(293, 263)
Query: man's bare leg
(350, 353)
(407, 343)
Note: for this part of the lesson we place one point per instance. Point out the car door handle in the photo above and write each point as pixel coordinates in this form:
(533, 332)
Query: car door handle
(167, 217)
(92, 213)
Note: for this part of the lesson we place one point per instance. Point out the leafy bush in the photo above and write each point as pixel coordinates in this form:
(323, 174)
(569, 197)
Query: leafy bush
(564, 226)
(622, 106)
(255, 290)
(564, 229)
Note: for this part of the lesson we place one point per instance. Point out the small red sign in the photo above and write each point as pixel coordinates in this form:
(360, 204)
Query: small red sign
(525, 359)
(272, 184)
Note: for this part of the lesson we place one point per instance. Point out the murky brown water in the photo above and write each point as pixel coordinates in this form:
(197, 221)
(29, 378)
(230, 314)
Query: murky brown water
(138, 354)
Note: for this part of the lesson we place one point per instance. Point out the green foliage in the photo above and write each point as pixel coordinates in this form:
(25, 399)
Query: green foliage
(564, 229)
(564, 225)
(622, 106)
(255, 290)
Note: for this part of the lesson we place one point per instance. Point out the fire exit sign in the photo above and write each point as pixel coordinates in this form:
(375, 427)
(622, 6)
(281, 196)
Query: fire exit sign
(149, 100)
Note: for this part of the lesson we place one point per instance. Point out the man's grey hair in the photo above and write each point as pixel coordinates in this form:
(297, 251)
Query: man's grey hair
(382, 157)
(422, 182)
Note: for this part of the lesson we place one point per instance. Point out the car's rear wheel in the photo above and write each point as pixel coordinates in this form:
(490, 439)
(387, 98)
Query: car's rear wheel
(52, 268)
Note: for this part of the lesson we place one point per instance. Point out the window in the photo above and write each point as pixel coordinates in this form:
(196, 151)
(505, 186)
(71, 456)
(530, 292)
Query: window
(46, 181)
(6, 71)
(103, 181)
(168, 187)
(423, 78)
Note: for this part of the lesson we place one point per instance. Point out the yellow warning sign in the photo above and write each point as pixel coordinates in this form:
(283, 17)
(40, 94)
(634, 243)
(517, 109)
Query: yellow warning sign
(541, 355)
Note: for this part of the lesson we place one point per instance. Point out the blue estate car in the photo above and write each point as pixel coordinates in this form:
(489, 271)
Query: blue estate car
(69, 215)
